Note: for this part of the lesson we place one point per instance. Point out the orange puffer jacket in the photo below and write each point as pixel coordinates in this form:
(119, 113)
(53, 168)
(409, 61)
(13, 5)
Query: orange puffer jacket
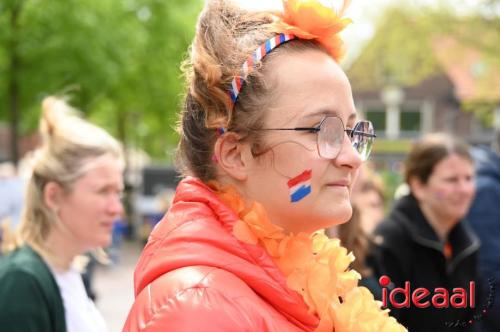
(194, 275)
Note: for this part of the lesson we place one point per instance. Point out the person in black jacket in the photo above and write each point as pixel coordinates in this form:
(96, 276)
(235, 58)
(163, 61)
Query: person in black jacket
(484, 219)
(423, 241)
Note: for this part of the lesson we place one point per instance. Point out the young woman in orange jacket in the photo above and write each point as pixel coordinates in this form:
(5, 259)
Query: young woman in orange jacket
(270, 147)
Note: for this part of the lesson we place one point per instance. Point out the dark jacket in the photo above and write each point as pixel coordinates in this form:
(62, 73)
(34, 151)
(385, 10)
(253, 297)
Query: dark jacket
(484, 219)
(408, 249)
(30, 300)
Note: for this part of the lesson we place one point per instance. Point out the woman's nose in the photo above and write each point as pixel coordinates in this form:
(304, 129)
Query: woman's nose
(348, 155)
(115, 206)
(467, 186)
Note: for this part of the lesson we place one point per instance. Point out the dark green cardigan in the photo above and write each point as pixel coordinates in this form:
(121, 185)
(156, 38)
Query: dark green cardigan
(30, 300)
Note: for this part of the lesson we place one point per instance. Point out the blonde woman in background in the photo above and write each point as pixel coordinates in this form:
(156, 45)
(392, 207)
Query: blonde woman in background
(73, 197)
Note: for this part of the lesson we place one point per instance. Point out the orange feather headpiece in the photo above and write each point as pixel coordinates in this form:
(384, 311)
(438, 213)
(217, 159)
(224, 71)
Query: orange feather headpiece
(303, 19)
(310, 19)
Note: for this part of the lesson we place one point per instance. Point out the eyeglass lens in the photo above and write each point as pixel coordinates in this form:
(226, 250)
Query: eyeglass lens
(362, 137)
(331, 136)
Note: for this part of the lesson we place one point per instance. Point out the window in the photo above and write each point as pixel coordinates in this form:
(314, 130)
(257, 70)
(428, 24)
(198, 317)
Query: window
(377, 117)
(410, 121)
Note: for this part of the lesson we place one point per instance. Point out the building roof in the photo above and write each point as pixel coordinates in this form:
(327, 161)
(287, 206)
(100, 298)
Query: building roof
(409, 50)
(473, 76)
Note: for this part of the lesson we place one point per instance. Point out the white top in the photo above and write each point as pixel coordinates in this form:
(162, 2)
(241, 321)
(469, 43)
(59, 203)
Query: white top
(81, 313)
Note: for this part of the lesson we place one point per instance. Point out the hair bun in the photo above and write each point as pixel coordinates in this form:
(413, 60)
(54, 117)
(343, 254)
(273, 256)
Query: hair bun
(56, 115)
(48, 120)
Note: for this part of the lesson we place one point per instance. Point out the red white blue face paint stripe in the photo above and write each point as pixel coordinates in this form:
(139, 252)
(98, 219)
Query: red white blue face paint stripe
(253, 60)
(300, 186)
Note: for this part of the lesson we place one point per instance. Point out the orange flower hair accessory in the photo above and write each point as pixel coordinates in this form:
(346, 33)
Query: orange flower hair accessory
(310, 19)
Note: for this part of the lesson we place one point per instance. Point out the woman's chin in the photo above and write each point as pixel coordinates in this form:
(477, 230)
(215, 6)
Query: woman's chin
(335, 220)
(102, 242)
(341, 214)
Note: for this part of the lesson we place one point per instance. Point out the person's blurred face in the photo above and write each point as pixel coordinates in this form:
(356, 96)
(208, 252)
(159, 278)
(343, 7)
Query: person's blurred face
(87, 212)
(310, 86)
(450, 189)
(371, 209)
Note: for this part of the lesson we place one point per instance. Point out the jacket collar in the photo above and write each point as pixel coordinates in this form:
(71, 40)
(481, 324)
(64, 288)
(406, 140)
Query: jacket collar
(464, 242)
(197, 231)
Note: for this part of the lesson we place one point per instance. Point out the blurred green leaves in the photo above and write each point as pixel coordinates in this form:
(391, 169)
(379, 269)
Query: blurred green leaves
(399, 53)
(118, 60)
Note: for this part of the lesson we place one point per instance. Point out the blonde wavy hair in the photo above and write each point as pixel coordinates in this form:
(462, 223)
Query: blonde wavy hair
(69, 145)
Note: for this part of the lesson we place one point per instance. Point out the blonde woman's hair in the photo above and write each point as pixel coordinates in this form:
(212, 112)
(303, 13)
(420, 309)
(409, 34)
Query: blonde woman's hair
(69, 145)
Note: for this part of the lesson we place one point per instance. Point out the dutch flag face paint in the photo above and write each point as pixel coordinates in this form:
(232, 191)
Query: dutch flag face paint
(300, 186)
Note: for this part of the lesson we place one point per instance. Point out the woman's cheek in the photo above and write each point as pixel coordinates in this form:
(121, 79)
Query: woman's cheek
(292, 158)
(441, 194)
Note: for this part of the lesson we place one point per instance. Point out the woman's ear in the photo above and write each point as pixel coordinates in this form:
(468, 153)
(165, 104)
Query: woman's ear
(417, 188)
(52, 193)
(228, 152)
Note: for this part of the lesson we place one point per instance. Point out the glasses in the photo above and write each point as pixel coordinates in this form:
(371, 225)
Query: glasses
(331, 136)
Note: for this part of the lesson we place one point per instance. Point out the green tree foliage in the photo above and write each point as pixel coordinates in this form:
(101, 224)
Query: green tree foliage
(118, 60)
(478, 30)
(399, 53)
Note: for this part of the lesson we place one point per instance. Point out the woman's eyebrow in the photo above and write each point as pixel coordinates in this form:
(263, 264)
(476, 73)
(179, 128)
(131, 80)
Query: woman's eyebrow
(351, 116)
(322, 113)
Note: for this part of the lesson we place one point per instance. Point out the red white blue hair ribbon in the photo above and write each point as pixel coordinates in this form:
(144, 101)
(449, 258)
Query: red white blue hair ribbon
(253, 60)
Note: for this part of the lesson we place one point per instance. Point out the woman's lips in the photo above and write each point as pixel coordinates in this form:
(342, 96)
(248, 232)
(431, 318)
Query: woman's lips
(107, 225)
(339, 186)
(339, 183)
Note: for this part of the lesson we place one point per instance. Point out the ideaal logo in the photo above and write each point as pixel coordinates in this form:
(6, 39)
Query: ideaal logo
(438, 298)
(478, 316)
